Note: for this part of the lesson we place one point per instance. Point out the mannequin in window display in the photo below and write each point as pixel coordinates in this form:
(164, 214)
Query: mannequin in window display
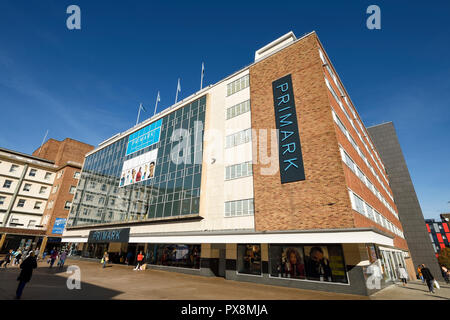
(294, 264)
(317, 266)
(255, 260)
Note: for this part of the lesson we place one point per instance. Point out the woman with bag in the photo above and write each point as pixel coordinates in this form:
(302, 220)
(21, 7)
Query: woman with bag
(403, 274)
(105, 259)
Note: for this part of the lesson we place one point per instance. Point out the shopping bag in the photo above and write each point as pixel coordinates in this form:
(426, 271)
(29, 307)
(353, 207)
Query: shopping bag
(436, 284)
(103, 260)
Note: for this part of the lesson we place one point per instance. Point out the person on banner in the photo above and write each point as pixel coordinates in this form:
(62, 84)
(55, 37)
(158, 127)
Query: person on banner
(27, 267)
(317, 266)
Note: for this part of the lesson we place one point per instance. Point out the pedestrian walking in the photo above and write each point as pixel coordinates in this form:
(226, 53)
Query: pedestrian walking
(445, 274)
(140, 259)
(128, 259)
(105, 259)
(36, 254)
(419, 273)
(62, 259)
(7, 259)
(27, 267)
(53, 257)
(403, 274)
(18, 257)
(426, 273)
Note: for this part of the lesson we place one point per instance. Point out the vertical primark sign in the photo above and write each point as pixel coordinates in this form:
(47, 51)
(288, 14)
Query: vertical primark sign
(289, 148)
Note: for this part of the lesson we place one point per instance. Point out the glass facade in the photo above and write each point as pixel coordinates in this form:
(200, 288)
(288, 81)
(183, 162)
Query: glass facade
(249, 259)
(172, 190)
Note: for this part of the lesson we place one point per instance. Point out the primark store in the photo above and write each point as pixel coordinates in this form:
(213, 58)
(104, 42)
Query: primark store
(247, 179)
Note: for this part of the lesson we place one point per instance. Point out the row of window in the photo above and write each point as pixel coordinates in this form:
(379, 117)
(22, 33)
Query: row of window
(352, 142)
(365, 209)
(239, 208)
(238, 85)
(354, 115)
(238, 138)
(15, 221)
(21, 204)
(356, 170)
(238, 170)
(238, 109)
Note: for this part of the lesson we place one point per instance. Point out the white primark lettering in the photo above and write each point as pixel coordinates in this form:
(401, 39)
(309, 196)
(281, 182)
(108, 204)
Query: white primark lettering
(198, 310)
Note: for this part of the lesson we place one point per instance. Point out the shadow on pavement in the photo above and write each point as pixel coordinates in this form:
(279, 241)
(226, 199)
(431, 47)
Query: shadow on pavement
(50, 284)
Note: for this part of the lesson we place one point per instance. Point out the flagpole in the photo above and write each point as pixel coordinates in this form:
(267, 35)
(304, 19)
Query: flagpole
(178, 88)
(201, 80)
(139, 113)
(156, 105)
(43, 140)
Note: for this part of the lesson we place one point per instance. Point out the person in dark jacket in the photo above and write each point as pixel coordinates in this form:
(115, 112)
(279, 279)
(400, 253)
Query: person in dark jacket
(426, 273)
(27, 267)
(7, 259)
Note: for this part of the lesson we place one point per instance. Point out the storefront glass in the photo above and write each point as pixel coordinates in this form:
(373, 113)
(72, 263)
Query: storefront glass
(320, 263)
(249, 259)
(174, 255)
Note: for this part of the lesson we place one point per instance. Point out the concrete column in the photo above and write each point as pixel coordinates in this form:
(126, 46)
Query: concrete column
(2, 240)
(43, 245)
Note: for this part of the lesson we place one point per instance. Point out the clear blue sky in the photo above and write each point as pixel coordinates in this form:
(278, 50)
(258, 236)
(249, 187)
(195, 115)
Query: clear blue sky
(87, 84)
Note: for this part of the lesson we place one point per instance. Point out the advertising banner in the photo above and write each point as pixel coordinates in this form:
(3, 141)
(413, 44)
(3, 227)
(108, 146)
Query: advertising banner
(139, 168)
(59, 225)
(144, 138)
(110, 235)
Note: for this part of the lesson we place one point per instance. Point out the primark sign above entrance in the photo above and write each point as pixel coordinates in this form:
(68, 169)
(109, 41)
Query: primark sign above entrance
(112, 235)
(289, 148)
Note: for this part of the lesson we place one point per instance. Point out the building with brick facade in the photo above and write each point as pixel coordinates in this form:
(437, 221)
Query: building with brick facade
(36, 192)
(267, 176)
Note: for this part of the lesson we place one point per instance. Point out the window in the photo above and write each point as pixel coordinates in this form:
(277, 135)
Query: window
(238, 138)
(249, 259)
(311, 262)
(31, 223)
(14, 220)
(238, 170)
(7, 184)
(21, 203)
(55, 189)
(50, 204)
(37, 205)
(76, 175)
(67, 205)
(72, 189)
(27, 187)
(238, 85)
(43, 190)
(13, 168)
(32, 173)
(2, 200)
(239, 208)
(238, 109)
(359, 205)
(60, 173)
(47, 176)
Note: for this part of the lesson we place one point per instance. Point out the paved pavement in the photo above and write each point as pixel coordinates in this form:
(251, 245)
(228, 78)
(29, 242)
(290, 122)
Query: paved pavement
(415, 290)
(121, 282)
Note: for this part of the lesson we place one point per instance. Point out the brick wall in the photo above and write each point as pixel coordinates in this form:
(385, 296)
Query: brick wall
(321, 201)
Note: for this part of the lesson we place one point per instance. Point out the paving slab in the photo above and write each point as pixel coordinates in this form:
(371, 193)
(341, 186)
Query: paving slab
(122, 282)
